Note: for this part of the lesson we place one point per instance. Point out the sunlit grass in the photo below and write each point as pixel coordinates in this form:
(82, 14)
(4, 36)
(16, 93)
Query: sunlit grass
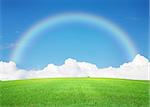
(74, 92)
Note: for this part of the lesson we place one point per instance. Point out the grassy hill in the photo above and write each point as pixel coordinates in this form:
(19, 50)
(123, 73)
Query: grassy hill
(74, 92)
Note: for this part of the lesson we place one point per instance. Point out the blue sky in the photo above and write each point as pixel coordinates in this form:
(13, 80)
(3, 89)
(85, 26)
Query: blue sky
(19, 15)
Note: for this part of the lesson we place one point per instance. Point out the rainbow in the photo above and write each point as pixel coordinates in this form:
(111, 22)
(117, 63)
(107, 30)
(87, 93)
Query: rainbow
(52, 21)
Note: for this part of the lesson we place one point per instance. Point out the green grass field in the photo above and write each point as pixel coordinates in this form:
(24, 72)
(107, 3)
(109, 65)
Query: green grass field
(74, 92)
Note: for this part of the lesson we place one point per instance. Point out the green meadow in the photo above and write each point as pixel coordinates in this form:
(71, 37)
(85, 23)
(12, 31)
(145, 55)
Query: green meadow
(74, 92)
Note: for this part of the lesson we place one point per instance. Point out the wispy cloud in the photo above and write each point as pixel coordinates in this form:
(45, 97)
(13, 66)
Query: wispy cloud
(7, 46)
(133, 18)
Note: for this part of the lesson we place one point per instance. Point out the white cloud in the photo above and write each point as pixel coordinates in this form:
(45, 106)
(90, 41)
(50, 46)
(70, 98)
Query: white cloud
(137, 69)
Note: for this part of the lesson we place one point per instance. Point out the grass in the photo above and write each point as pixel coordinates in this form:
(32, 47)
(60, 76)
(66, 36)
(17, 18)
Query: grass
(74, 92)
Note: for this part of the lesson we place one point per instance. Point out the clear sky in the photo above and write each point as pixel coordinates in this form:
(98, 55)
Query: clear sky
(73, 40)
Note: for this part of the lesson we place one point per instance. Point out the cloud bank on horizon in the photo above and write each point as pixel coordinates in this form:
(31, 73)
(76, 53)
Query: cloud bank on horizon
(137, 69)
